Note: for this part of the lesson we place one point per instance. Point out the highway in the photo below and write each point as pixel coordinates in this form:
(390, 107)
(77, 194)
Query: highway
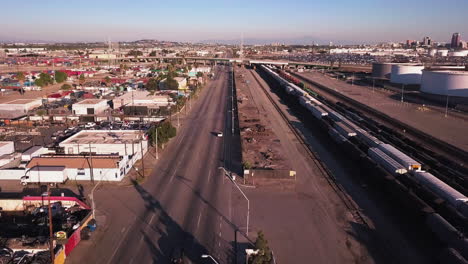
(186, 204)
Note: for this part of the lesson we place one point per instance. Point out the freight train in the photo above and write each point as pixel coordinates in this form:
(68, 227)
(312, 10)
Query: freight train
(387, 156)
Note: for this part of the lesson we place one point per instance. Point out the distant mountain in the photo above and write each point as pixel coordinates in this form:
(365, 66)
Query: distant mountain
(305, 40)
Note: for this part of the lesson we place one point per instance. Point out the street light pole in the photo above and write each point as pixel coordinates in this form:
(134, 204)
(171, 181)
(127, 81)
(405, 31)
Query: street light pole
(232, 103)
(402, 92)
(373, 84)
(209, 256)
(245, 196)
(93, 206)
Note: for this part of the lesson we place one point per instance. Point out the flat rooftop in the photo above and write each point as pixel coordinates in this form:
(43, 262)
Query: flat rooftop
(4, 143)
(91, 101)
(22, 101)
(86, 137)
(141, 95)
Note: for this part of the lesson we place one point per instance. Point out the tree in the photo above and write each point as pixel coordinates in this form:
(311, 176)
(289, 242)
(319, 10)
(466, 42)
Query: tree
(264, 253)
(107, 80)
(65, 87)
(166, 131)
(82, 79)
(20, 77)
(199, 74)
(171, 84)
(135, 53)
(153, 54)
(152, 84)
(44, 80)
(60, 76)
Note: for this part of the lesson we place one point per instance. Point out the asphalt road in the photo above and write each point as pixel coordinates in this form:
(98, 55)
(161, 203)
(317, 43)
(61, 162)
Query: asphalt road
(186, 203)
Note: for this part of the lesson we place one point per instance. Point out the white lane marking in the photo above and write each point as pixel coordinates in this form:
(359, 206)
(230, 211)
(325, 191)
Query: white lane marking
(219, 233)
(152, 217)
(118, 244)
(198, 222)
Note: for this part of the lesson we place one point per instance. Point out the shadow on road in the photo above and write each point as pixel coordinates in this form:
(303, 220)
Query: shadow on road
(172, 236)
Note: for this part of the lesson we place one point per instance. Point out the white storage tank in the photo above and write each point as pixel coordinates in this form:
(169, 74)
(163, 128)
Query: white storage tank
(406, 73)
(381, 70)
(452, 83)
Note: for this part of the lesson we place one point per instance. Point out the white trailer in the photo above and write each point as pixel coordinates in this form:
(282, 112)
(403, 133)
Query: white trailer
(45, 175)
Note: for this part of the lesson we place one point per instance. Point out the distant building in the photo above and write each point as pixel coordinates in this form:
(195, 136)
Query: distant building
(90, 107)
(456, 39)
(20, 105)
(427, 41)
(141, 98)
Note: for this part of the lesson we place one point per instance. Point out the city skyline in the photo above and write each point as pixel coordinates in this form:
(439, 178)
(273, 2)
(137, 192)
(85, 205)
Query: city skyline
(316, 21)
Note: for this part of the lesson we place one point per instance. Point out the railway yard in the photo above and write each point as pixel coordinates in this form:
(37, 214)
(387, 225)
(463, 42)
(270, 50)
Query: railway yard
(409, 194)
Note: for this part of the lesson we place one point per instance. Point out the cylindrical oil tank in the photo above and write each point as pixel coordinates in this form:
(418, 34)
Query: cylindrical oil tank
(381, 70)
(452, 83)
(406, 73)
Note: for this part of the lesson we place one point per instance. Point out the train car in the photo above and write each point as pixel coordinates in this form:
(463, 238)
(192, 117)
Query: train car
(400, 157)
(344, 130)
(337, 137)
(449, 194)
(367, 138)
(386, 162)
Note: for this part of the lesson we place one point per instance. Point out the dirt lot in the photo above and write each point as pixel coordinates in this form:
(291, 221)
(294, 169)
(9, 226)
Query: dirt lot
(261, 147)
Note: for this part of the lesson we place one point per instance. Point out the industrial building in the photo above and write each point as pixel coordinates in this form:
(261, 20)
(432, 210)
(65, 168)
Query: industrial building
(78, 167)
(90, 107)
(445, 82)
(130, 143)
(407, 74)
(20, 106)
(141, 98)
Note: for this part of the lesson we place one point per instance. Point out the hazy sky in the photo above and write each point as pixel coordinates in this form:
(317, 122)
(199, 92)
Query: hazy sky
(182, 20)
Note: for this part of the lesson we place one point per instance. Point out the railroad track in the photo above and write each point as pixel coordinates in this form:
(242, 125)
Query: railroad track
(337, 188)
(435, 144)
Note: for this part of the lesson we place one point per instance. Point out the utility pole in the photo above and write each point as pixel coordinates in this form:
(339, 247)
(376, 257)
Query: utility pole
(178, 114)
(446, 106)
(142, 154)
(156, 141)
(91, 164)
(51, 229)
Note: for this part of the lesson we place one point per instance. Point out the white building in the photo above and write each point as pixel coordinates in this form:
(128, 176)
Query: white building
(141, 98)
(90, 107)
(20, 105)
(78, 167)
(128, 143)
(7, 147)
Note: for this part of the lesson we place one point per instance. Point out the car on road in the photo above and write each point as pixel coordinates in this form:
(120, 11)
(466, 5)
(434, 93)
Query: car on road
(219, 134)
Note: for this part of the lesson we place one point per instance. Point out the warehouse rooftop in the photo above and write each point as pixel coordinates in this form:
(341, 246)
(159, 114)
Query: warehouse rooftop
(91, 101)
(85, 137)
(22, 101)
